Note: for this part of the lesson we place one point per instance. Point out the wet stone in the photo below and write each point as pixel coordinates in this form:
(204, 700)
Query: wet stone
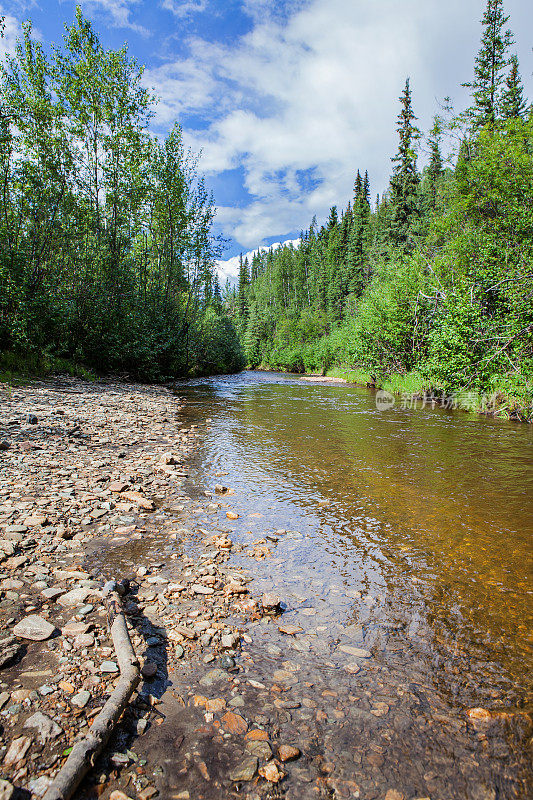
(245, 771)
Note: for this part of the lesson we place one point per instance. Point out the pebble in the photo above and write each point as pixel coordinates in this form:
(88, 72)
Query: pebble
(287, 752)
(81, 698)
(108, 667)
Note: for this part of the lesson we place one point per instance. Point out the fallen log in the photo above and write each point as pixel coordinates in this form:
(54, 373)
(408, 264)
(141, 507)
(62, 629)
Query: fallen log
(84, 754)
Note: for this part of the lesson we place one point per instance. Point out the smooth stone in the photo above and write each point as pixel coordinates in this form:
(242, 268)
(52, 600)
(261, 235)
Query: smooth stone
(108, 667)
(35, 628)
(212, 677)
(357, 652)
(81, 699)
(76, 597)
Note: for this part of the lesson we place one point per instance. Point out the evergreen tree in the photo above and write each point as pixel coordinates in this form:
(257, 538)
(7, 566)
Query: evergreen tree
(405, 179)
(243, 289)
(435, 169)
(513, 104)
(491, 61)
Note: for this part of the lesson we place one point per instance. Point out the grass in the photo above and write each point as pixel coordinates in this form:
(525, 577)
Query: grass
(17, 368)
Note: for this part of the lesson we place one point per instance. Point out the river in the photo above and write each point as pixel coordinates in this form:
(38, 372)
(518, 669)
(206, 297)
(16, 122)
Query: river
(404, 533)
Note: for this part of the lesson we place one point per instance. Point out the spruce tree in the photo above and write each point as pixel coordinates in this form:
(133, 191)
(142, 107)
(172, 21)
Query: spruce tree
(405, 179)
(435, 168)
(513, 104)
(243, 289)
(491, 61)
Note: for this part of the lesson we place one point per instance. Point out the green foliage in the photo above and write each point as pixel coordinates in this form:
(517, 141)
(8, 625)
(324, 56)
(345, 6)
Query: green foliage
(106, 251)
(431, 290)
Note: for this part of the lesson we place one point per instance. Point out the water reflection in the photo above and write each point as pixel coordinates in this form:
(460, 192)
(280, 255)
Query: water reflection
(430, 513)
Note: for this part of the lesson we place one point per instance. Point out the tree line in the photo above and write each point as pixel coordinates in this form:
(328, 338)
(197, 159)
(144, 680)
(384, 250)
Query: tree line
(107, 256)
(433, 281)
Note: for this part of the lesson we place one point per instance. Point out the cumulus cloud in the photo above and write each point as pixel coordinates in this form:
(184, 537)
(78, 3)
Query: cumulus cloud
(314, 86)
(229, 269)
(120, 13)
(12, 31)
(184, 8)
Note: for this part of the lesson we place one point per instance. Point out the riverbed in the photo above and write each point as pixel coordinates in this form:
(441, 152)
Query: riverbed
(397, 663)
(406, 533)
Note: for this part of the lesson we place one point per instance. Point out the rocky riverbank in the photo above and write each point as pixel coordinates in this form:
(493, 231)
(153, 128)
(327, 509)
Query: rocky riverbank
(84, 469)
(241, 696)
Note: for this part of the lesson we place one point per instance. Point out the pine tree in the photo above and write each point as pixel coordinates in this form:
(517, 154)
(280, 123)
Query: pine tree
(405, 179)
(366, 188)
(513, 104)
(435, 168)
(487, 86)
(358, 187)
(243, 289)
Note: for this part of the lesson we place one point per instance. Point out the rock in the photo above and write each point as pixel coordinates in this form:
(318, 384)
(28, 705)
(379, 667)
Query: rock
(81, 698)
(76, 597)
(17, 750)
(7, 790)
(35, 628)
(117, 486)
(141, 726)
(287, 752)
(39, 786)
(36, 520)
(232, 515)
(32, 419)
(352, 668)
(230, 641)
(139, 499)
(117, 795)
(108, 667)
(197, 588)
(46, 728)
(226, 662)
(4, 446)
(234, 723)
(271, 772)
(290, 630)
(148, 793)
(75, 628)
(260, 749)
(52, 592)
(245, 771)
(84, 640)
(219, 489)
(357, 652)
(270, 602)
(9, 649)
(394, 794)
(149, 669)
(479, 714)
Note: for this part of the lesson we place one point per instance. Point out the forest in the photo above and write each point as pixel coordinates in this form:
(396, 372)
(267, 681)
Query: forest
(107, 256)
(428, 288)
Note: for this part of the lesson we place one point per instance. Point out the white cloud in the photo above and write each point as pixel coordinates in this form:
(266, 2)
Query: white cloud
(119, 11)
(229, 269)
(317, 90)
(184, 8)
(12, 31)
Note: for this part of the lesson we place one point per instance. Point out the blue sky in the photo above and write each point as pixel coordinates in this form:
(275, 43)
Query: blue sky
(288, 98)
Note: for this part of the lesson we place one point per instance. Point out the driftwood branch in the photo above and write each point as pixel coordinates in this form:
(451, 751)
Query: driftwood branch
(85, 753)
